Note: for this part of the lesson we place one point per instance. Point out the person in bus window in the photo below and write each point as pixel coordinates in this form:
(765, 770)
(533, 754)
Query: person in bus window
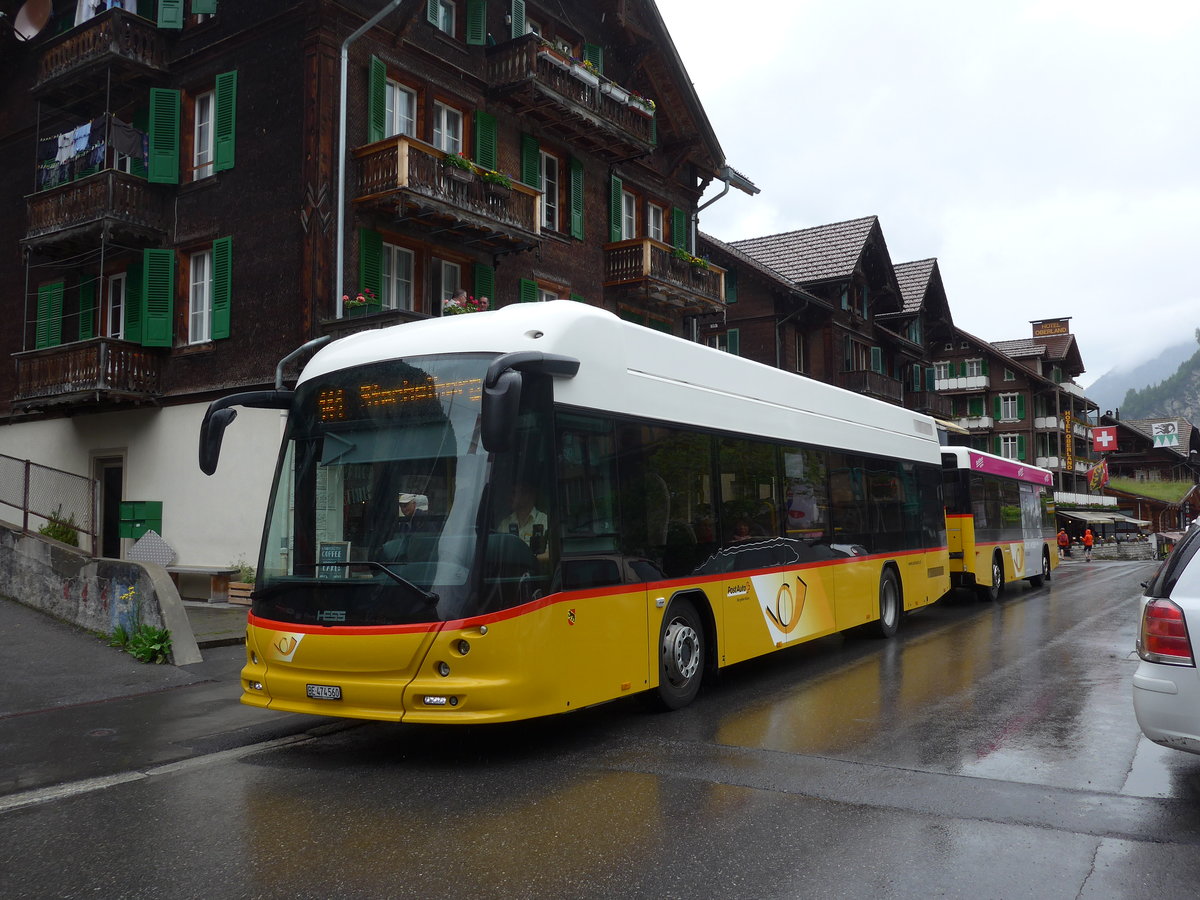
(526, 521)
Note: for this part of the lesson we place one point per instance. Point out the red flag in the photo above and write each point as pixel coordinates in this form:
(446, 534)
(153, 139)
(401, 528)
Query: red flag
(1098, 475)
(1104, 440)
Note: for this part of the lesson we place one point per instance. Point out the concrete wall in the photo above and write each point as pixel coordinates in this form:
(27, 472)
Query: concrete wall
(93, 593)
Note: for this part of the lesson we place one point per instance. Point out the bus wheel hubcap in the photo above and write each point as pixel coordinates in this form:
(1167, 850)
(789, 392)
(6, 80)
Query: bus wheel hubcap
(681, 652)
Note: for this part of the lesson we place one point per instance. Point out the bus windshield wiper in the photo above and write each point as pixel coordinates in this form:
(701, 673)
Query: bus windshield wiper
(429, 596)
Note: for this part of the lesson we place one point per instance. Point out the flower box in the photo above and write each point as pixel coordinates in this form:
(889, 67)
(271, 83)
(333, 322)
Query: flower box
(353, 311)
(615, 91)
(453, 173)
(586, 75)
(239, 592)
(554, 59)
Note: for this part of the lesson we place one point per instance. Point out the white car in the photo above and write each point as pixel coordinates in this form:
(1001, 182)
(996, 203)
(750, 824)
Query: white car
(1166, 685)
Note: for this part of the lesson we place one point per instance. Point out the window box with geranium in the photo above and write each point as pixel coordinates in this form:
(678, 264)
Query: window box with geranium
(585, 70)
(547, 52)
(697, 262)
(640, 104)
(364, 303)
(458, 168)
(464, 303)
(614, 90)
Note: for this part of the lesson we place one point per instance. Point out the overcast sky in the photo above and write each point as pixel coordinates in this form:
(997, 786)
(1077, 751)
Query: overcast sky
(1047, 152)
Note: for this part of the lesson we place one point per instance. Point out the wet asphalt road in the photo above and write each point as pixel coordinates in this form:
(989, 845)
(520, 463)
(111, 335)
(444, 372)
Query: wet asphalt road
(987, 751)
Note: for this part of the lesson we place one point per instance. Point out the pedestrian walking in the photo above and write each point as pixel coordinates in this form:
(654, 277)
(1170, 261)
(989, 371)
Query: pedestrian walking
(1064, 543)
(1088, 540)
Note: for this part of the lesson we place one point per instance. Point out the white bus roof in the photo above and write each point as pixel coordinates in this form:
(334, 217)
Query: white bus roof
(631, 370)
(978, 461)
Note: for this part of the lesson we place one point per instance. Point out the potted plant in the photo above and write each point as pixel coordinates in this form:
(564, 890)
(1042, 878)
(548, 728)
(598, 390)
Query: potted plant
(547, 52)
(614, 90)
(239, 589)
(457, 167)
(639, 103)
(364, 303)
(585, 70)
(462, 303)
(496, 183)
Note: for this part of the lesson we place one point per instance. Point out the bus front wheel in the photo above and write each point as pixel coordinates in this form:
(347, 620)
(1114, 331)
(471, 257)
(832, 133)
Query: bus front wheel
(889, 605)
(680, 656)
(995, 588)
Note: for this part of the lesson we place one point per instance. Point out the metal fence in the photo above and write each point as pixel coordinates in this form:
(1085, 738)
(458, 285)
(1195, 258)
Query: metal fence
(45, 494)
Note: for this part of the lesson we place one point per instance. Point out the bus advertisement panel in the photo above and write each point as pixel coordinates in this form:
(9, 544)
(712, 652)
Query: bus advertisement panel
(543, 507)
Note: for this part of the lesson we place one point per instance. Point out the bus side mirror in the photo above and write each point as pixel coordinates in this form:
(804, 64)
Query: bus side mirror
(501, 402)
(212, 431)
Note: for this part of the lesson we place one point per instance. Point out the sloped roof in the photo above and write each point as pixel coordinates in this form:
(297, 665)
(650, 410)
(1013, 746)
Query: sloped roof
(1189, 439)
(1024, 348)
(1056, 348)
(821, 253)
(913, 278)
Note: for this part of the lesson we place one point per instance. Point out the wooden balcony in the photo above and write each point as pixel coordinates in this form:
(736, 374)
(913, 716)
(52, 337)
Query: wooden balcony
(121, 42)
(649, 270)
(72, 216)
(407, 179)
(872, 384)
(100, 371)
(929, 402)
(534, 83)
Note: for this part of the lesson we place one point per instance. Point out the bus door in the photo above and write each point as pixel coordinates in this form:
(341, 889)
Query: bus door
(1031, 531)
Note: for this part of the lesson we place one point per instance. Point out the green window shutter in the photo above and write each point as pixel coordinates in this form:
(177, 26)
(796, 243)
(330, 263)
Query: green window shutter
(485, 139)
(594, 54)
(679, 229)
(983, 366)
(654, 131)
(916, 378)
(962, 370)
(518, 18)
(170, 13)
(996, 407)
(1020, 406)
(87, 309)
(877, 360)
(133, 303)
(224, 120)
(49, 315)
(222, 286)
(577, 199)
(164, 136)
(846, 297)
(376, 100)
(158, 297)
(485, 282)
(431, 11)
(930, 379)
(370, 261)
(975, 407)
(996, 445)
(733, 341)
(731, 286)
(204, 7)
(578, 299)
(528, 291)
(531, 169)
(615, 188)
(477, 24)
(1021, 447)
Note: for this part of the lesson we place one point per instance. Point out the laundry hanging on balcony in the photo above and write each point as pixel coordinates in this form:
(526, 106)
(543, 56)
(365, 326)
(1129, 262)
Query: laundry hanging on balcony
(84, 150)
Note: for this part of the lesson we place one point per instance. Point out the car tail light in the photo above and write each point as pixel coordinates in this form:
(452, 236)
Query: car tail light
(1165, 635)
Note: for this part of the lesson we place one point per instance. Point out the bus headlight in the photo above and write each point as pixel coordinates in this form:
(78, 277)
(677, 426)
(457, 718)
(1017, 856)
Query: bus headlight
(443, 669)
(464, 647)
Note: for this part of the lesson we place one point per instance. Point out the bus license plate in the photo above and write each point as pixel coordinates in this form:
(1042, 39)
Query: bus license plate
(323, 691)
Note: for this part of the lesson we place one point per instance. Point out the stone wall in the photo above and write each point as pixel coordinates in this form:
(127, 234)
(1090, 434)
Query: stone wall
(94, 594)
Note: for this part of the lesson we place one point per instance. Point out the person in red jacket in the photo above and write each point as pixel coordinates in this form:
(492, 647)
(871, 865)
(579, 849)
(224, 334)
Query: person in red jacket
(1064, 543)
(1088, 540)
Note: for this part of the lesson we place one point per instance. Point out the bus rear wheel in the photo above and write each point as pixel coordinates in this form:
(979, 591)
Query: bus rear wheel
(1039, 580)
(992, 591)
(680, 656)
(889, 605)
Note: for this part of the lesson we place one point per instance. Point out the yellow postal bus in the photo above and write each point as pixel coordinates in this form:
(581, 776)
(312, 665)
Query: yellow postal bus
(523, 512)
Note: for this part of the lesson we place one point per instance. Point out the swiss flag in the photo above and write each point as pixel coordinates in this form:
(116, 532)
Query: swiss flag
(1104, 439)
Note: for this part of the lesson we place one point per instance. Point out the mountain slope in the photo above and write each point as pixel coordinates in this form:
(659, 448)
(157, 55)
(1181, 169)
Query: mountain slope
(1178, 395)
(1109, 389)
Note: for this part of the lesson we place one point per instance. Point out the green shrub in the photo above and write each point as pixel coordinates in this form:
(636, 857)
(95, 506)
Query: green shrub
(61, 529)
(150, 644)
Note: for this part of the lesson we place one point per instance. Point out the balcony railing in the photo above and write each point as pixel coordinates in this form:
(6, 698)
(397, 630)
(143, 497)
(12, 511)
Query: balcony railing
(651, 269)
(582, 109)
(409, 179)
(105, 198)
(115, 37)
(873, 384)
(930, 402)
(91, 371)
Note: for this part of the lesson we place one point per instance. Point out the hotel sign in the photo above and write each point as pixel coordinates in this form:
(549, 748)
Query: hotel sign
(1068, 421)
(1051, 327)
(1166, 434)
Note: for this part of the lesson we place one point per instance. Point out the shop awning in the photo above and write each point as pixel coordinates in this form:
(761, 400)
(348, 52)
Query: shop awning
(1090, 517)
(1121, 517)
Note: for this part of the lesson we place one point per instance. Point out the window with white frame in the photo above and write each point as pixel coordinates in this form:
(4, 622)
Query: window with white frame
(447, 279)
(546, 295)
(654, 221)
(115, 313)
(397, 278)
(1009, 446)
(550, 191)
(941, 371)
(202, 153)
(1009, 375)
(447, 128)
(974, 368)
(1009, 407)
(628, 216)
(200, 298)
(801, 352)
(445, 16)
(400, 110)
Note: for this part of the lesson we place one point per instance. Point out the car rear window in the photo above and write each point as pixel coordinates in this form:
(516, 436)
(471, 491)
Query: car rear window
(1172, 570)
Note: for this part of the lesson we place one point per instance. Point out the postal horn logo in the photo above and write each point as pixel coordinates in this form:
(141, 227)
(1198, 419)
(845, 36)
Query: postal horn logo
(788, 606)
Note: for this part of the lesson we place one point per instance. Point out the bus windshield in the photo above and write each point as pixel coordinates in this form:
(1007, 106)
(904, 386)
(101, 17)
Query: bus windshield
(381, 499)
